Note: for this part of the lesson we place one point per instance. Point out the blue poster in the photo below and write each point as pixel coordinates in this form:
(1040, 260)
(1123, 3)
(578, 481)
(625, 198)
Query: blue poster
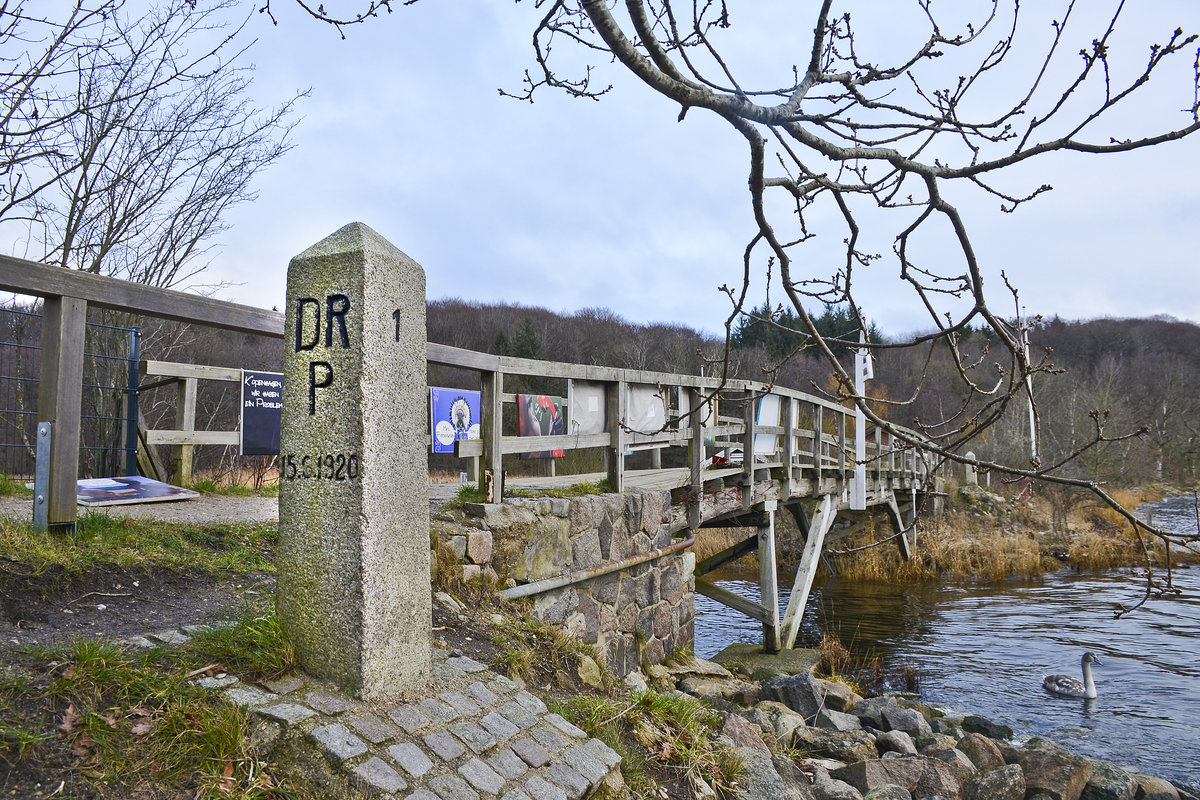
(453, 415)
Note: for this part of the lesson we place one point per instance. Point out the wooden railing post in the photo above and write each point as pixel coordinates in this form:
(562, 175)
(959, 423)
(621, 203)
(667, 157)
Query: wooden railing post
(185, 420)
(614, 423)
(696, 456)
(750, 419)
(789, 446)
(491, 408)
(60, 397)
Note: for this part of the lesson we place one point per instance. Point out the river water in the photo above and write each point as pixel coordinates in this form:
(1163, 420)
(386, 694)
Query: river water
(983, 648)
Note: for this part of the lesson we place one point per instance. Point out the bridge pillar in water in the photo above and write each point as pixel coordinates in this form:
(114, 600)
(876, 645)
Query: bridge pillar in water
(353, 556)
(767, 580)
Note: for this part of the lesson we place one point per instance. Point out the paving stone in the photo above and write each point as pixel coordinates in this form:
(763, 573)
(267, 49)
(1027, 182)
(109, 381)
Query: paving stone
(583, 762)
(518, 715)
(287, 713)
(531, 702)
(473, 736)
(515, 794)
(216, 682)
(445, 745)
(374, 773)
(437, 711)
(565, 727)
(507, 763)
(248, 696)
(140, 641)
(460, 703)
(481, 776)
(408, 718)
(602, 752)
(531, 752)
(168, 637)
(373, 729)
(550, 738)
(498, 726)
(337, 742)
(328, 703)
(541, 789)
(445, 672)
(423, 794)
(502, 685)
(466, 664)
(410, 758)
(571, 781)
(483, 694)
(452, 787)
(285, 685)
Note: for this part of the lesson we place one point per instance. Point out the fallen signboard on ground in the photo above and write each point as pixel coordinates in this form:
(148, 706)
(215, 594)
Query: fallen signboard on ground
(127, 490)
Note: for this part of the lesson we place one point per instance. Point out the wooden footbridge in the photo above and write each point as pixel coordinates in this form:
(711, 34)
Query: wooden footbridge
(732, 453)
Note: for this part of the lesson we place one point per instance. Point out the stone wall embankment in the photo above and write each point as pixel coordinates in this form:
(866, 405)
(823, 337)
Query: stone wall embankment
(640, 613)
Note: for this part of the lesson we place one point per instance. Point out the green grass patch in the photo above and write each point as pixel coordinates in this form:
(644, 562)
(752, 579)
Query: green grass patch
(210, 486)
(533, 649)
(217, 550)
(667, 736)
(132, 718)
(583, 489)
(467, 494)
(10, 486)
(254, 647)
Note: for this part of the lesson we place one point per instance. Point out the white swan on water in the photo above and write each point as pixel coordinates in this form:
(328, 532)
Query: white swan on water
(1067, 686)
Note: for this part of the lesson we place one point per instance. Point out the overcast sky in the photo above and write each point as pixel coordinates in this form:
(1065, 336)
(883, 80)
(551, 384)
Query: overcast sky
(570, 204)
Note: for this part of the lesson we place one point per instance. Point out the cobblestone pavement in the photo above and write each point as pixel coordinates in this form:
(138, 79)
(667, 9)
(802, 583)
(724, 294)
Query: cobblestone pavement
(470, 735)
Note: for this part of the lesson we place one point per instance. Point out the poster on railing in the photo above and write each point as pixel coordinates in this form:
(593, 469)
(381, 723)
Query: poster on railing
(586, 407)
(540, 415)
(262, 412)
(453, 415)
(646, 408)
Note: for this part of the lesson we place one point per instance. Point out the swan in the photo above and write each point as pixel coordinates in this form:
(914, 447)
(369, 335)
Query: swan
(1067, 686)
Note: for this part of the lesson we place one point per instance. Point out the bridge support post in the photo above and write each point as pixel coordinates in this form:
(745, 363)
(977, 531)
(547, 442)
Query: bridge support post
(767, 580)
(821, 523)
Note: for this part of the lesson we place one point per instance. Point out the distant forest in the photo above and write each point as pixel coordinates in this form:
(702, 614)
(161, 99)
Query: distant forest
(1135, 374)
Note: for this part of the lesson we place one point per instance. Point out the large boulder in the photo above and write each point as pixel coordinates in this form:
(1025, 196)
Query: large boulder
(1150, 788)
(827, 788)
(1052, 771)
(870, 711)
(889, 791)
(1109, 782)
(973, 723)
(782, 719)
(1003, 783)
(837, 696)
(919, 775)
(798, 692)
(843, 746)
(895, 742)
(837, 721)
(909, 720)
(743, 733)
(762, 779)
(956, 759)
(983, 752)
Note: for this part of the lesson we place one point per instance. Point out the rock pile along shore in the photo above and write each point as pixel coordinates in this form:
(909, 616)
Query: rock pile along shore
(804, 738)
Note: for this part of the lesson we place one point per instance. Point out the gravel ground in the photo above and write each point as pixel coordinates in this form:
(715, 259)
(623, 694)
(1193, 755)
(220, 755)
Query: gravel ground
(205, 508)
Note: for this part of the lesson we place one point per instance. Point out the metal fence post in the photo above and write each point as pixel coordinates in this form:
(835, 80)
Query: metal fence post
(41, 477)
(131, 401)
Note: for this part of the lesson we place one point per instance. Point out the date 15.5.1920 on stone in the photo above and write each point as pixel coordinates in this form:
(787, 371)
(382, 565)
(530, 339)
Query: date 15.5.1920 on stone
(319, 466)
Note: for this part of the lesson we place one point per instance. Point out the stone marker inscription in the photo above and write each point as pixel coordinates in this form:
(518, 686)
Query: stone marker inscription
(353, 586)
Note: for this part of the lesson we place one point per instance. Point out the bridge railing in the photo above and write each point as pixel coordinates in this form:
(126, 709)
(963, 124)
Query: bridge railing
(806, 441)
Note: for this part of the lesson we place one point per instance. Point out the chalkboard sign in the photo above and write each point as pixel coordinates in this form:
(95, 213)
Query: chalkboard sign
(262, 404)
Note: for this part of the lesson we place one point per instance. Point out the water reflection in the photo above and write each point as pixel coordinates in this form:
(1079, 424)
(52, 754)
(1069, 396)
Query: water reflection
(984, 648)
